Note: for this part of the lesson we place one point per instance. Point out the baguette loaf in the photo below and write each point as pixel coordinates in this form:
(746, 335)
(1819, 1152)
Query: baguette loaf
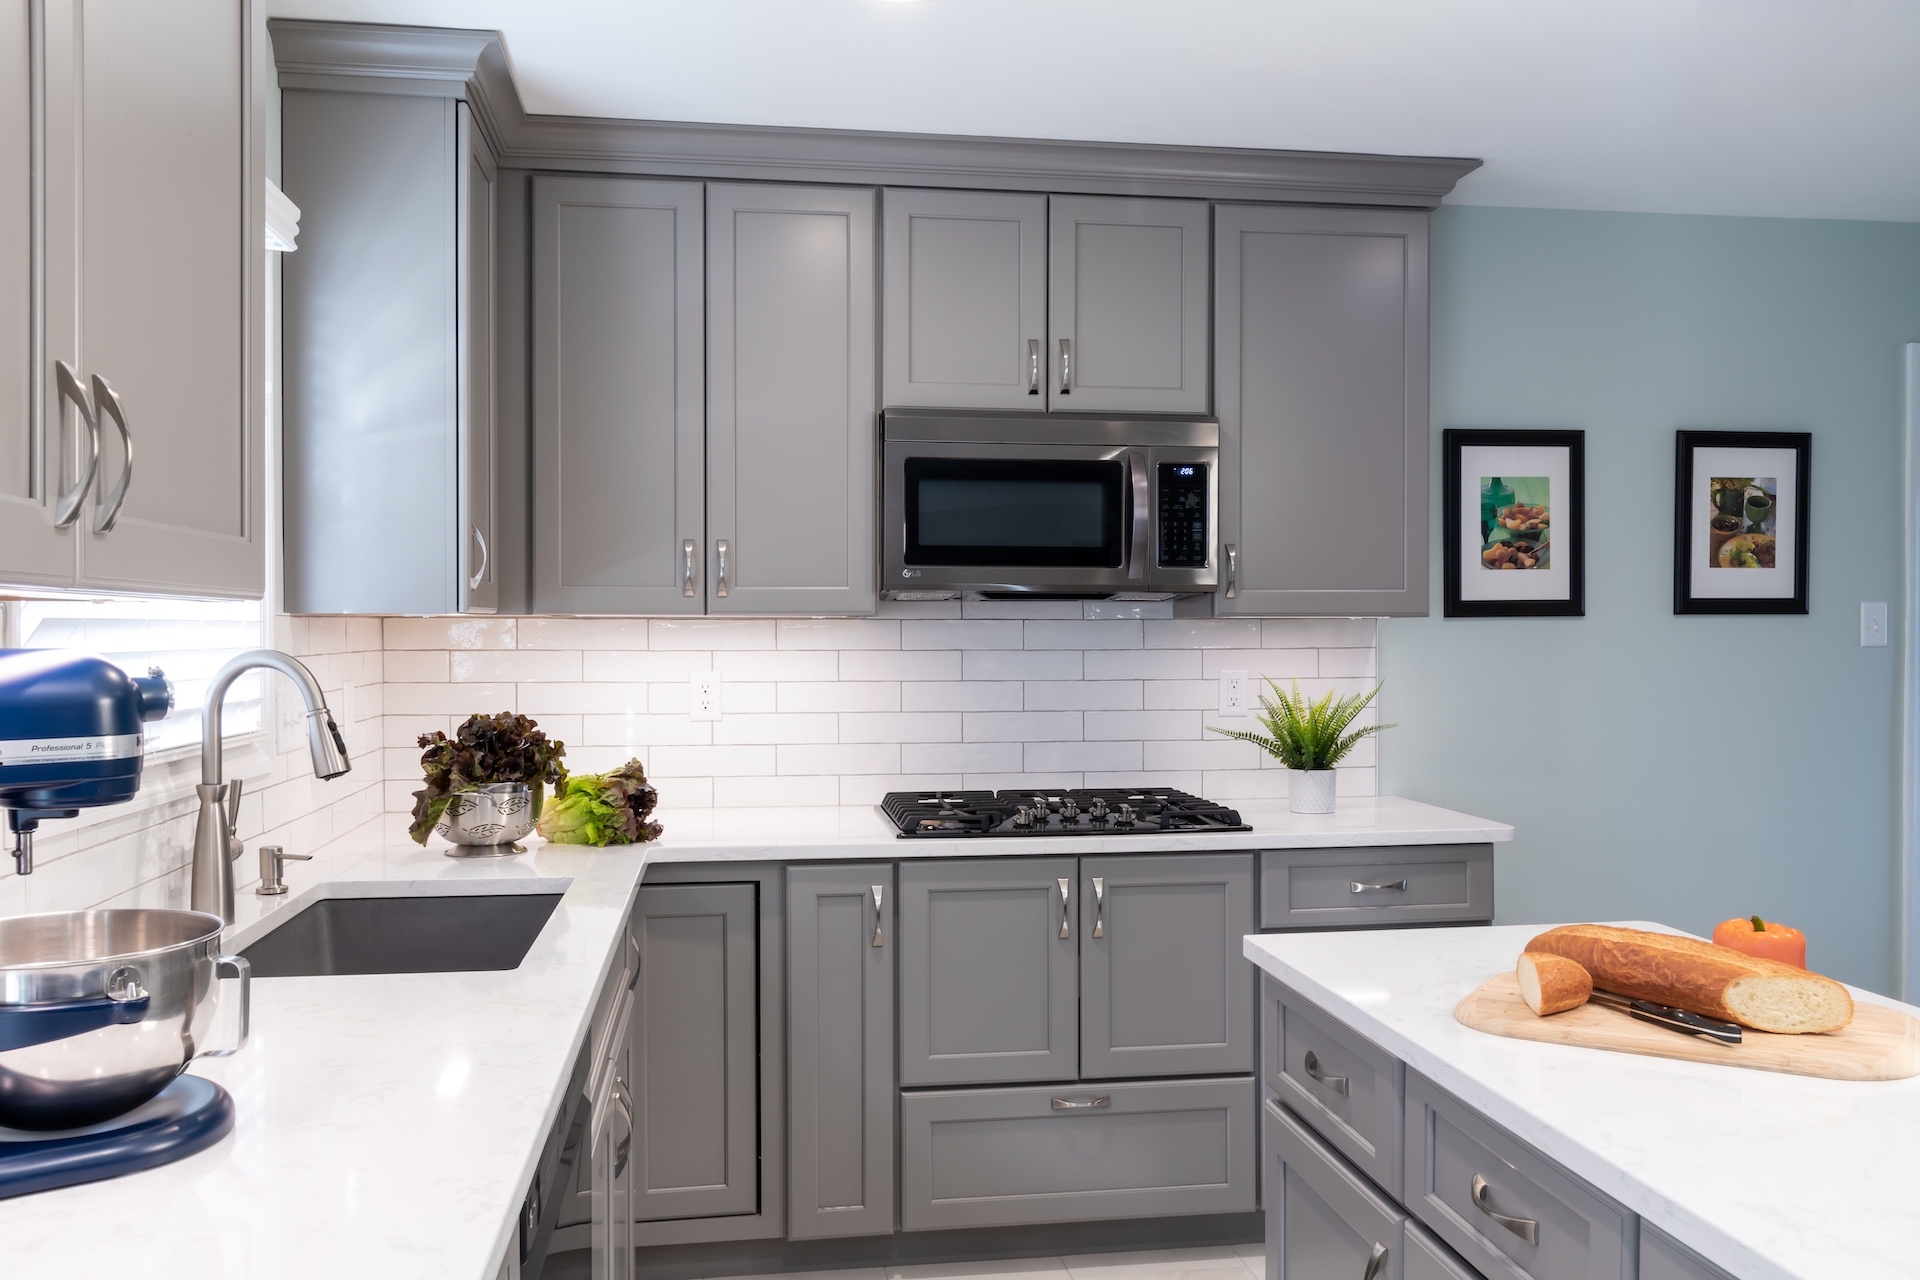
(1718, 982)
(1552, 984)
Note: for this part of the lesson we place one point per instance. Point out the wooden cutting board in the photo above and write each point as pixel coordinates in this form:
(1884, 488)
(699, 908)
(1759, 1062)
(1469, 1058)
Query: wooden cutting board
(1880, 1044)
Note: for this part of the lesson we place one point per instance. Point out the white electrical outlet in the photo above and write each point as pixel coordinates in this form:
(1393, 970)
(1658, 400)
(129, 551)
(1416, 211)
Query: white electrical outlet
(704, 696)
(1873, 624)
(1233, 693)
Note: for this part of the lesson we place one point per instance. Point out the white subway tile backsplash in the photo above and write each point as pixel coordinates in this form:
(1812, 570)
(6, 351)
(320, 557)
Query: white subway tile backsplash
(1204, 633)
(711, 633)
(712, 762)
(906, 664)
(638, 730)
(461, 700)
(1281, 665)
(583, 633)
(960, 757)
(1017, 664)
(968, 634)
(839, 757)
(900, 726)
(1170, 695)
(1162, 725)
(872, 788)
(1021, 781)
(1083, 695)
(615, 665)
(1347, 662)
(1187, 782)
(771, 792)
(1315, 633)
(839, 633)
(1021, 609)
(777, 728)
(423, 633)
(962, 695)
(780, 665)
(1023, 726)
(580, 698)
(1053, 757)
(1143, 664)
(516, 664)
(1207, 753)
(840, 695)
(1113, 634)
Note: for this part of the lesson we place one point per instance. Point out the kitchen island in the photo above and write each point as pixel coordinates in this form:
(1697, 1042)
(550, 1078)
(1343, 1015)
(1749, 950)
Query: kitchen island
(389, 1125)
(1766, 1176)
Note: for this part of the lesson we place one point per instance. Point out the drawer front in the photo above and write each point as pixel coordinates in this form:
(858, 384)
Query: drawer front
(1324, 1222)
(1663, 1258)
(1462, 1172)
(1348, 1089)
(997, 1157)
(1376, 887)
(1428, 1259)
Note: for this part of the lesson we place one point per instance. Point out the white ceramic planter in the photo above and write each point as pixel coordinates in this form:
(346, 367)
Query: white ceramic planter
(1310, 790)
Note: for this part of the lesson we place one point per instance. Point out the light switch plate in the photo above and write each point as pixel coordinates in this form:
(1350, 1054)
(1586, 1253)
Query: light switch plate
(704, 695)
(1233, 693)
(1873, 624)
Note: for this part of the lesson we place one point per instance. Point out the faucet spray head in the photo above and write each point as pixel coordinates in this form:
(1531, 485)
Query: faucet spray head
(325, 745)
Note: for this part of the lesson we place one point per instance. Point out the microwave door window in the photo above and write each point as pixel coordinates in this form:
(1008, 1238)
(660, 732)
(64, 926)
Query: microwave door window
(1034, 514)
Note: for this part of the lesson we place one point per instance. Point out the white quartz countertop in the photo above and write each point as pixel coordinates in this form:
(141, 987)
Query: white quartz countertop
(762, 835)
(386, 1126)
(1770, 1176)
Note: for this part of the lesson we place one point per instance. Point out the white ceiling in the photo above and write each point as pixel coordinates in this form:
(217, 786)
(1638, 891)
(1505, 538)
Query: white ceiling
(1803, 108)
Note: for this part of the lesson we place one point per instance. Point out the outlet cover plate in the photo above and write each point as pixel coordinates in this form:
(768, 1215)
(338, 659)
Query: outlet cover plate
(1233, 693)
(703, 697)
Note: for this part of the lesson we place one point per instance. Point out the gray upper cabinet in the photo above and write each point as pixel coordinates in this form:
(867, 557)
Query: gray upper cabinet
(792, 432)
(150, 293)
(1164, 988)
(388, 406)
(619, 463)
(965, 281)
(695, 1054)
(1127, 307)
(840, 947)
(1321, 369)
(989, 971)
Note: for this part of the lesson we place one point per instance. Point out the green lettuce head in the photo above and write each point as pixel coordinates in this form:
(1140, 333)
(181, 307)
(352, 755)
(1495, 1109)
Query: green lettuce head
(602, 808)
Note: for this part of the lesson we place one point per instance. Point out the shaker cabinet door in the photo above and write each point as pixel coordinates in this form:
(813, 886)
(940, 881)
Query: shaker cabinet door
(1320, 321)
(965, 280)
(1128, 305)
(792, 431)
(156, 263)
(989, 971)
(479, 567)
(618, 396)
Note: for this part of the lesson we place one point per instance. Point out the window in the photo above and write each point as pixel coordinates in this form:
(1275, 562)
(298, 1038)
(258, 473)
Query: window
(190, 640)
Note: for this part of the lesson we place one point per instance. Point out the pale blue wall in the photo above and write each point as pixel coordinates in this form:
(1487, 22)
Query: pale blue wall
(1658, 767)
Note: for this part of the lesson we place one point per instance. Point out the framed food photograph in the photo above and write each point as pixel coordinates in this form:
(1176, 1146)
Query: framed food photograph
(1513, 508)
(1740, 521)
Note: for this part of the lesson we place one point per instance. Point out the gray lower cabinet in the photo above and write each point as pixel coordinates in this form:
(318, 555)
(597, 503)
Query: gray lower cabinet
(1127, 305)
(989, 971)
(1320, 330)
(695, 1053)
(1376, 888)
(619, 396)
(1428, 1259)
(1324, 1221)
(1348, 1088)
(1664, 1258)
(841, 1097)
(1164, 990)
(997, 1157)
(792, 434)
(965, 281)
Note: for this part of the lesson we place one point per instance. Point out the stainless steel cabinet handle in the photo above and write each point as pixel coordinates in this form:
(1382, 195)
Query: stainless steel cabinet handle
(1081, 1104)
(720, 578)
(1339, 1084)
(1142, 502)
(624, 1147)
(1526, 1228)
(1066, 366)
(107, 401)
(1099, 906)
(1361, 886)
(1065, 887)
(1233, 571)
(480, 574)
(878, 940)
(68, 509)
(1376, 1262)
(1033, 366)
(688, 552)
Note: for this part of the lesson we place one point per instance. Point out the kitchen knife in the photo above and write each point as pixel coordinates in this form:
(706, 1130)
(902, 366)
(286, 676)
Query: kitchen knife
(1662, 1015)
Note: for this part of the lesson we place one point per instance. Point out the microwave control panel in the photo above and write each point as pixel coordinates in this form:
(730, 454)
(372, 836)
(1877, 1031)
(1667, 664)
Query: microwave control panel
(1185, 539)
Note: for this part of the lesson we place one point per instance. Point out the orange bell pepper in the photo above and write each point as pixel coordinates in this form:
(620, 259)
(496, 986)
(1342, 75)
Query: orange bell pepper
(1768, 939)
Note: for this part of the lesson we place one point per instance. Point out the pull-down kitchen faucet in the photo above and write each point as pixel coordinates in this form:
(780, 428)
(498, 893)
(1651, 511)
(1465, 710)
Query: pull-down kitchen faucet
(214, 844)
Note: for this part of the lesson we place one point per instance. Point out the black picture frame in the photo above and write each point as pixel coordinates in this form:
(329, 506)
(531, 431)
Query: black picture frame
(1569, 537)
(1685, 443)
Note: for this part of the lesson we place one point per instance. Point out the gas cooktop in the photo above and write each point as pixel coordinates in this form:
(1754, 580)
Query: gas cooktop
(1104, 811)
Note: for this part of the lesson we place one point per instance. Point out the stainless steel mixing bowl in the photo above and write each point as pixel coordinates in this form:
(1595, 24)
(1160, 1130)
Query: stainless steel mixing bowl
(486, 820)
(99, 1010)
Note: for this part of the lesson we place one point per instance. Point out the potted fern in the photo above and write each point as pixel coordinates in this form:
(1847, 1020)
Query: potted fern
(1310, 738)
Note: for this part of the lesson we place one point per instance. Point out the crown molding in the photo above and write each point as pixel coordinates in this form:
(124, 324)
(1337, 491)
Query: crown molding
(472, 65)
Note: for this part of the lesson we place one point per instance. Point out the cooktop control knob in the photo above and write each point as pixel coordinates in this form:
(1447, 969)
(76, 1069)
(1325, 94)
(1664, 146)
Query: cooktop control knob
(1023, 817)
(1069, 811)
(1124, 815)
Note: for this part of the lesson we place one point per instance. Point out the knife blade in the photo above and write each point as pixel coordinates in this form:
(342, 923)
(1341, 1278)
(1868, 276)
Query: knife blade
(1664, 1015)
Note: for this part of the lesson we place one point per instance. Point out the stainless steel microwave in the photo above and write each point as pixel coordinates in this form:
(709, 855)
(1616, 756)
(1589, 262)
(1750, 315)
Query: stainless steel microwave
(1047, 504)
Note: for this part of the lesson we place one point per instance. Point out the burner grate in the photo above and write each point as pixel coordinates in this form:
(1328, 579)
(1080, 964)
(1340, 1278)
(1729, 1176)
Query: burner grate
(1050, 812)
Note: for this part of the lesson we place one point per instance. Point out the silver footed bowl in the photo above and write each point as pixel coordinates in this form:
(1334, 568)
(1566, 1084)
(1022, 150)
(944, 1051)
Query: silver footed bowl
(100, 1010)
(498, 813)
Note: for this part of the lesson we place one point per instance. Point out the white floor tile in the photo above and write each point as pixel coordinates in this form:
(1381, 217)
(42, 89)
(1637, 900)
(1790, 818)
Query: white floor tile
(1144, 1262)
(999, 1269)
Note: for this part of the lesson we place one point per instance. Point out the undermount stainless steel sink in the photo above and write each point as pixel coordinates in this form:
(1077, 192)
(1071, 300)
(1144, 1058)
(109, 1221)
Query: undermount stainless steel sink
(356, 935)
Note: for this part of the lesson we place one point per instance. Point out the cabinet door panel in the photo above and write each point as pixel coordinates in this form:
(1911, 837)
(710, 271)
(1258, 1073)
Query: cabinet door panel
(988, 985)
(695, 1053)
(1129, 293)
(479, 571)
(618, 395)
(1321, 326)
(791, 429)
(165, 205)
(1323, 1219)
(1164, 989)
(966, 297)
(840, 945)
